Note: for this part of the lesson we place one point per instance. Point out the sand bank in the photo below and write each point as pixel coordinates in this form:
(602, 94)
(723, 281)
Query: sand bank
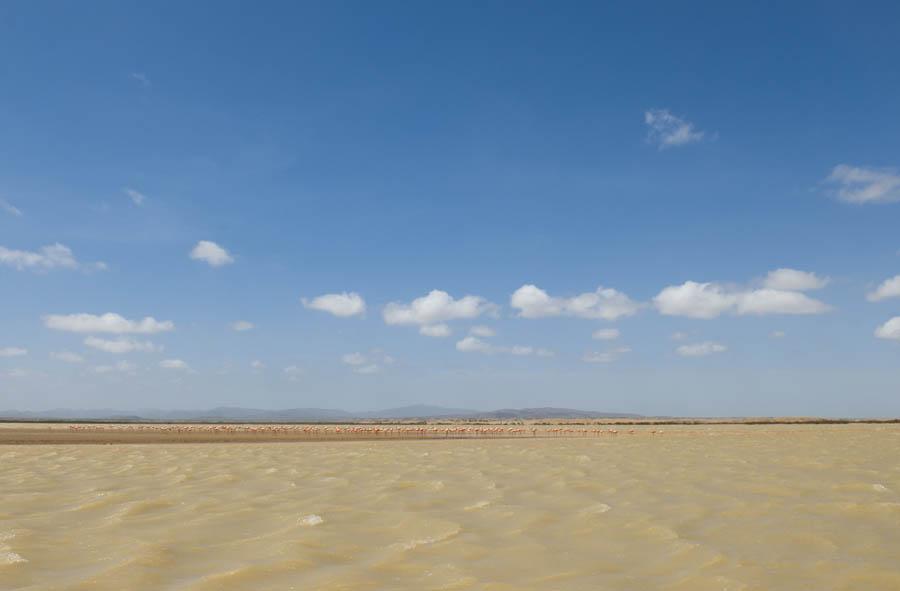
(103, 433)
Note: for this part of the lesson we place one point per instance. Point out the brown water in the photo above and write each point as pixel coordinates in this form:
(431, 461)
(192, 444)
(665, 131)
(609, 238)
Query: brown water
(724, 508)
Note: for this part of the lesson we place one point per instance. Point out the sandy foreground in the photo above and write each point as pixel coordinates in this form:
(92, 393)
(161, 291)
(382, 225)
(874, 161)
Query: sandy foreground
(688, 508)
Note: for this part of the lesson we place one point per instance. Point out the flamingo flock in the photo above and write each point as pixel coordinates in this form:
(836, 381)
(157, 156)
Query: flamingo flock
(298, 432)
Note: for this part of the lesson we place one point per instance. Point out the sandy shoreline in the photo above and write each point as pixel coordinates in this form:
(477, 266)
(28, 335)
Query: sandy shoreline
(118, 433)
(59, 433)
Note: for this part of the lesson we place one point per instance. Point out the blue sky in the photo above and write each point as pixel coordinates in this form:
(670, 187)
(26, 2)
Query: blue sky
(570, 167)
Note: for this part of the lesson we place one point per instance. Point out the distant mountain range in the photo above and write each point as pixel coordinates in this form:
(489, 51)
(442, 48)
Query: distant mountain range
(229, 413)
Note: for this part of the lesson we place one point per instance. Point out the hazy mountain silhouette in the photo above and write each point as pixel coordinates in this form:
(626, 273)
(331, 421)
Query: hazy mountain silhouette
(229, 413)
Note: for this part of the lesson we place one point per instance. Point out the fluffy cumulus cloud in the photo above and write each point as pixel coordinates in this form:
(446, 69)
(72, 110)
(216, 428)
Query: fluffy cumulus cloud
(860, 185)
(668, 131)
(701, 349)
(710, 300)
(175, 364)
(257, 365)
(367, 363)
(211, 253)
(889, 330)
(437, 307)
(435, 330)
(889, 288)
(12, 351)
(794, 280)
(602, 304)
(53, 256)
(106, 323)
(604, 356)
(67, 357)
(241, 326)
(694, 300)
(762, 302)
(473, 344)
(343, 305)
(606, 334)
(121, 346)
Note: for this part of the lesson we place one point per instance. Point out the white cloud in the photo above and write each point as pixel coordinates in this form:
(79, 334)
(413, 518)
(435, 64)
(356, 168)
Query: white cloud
(604, 356)
(17, 372)
(482, 331)
(435, 330)
(678, 336)
(12, 352)
(667, 130)
(472, 344)
(367, 363)
(109, 323)
(598, 357)
(211, 253)
(710, 300)
(136, 196)
(436, 308)
(761, 302)
(889, 288)
(242, 326)
(140, 78)
(889, 330)
(53, 256)
(67, 357)
(121, 345)
(700, 349)
(354, 359)
(602, 304)
(174, 364)
(121, 367)
(606, 334)
(10, 208)
(292, 372)
(694, 300)
(342, 305)
(856, 184)
(794, 280)
(257, 364)
(777, 334)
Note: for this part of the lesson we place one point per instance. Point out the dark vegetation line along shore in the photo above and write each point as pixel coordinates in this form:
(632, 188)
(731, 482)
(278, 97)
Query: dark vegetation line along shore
(37, 433)
(450, 421)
